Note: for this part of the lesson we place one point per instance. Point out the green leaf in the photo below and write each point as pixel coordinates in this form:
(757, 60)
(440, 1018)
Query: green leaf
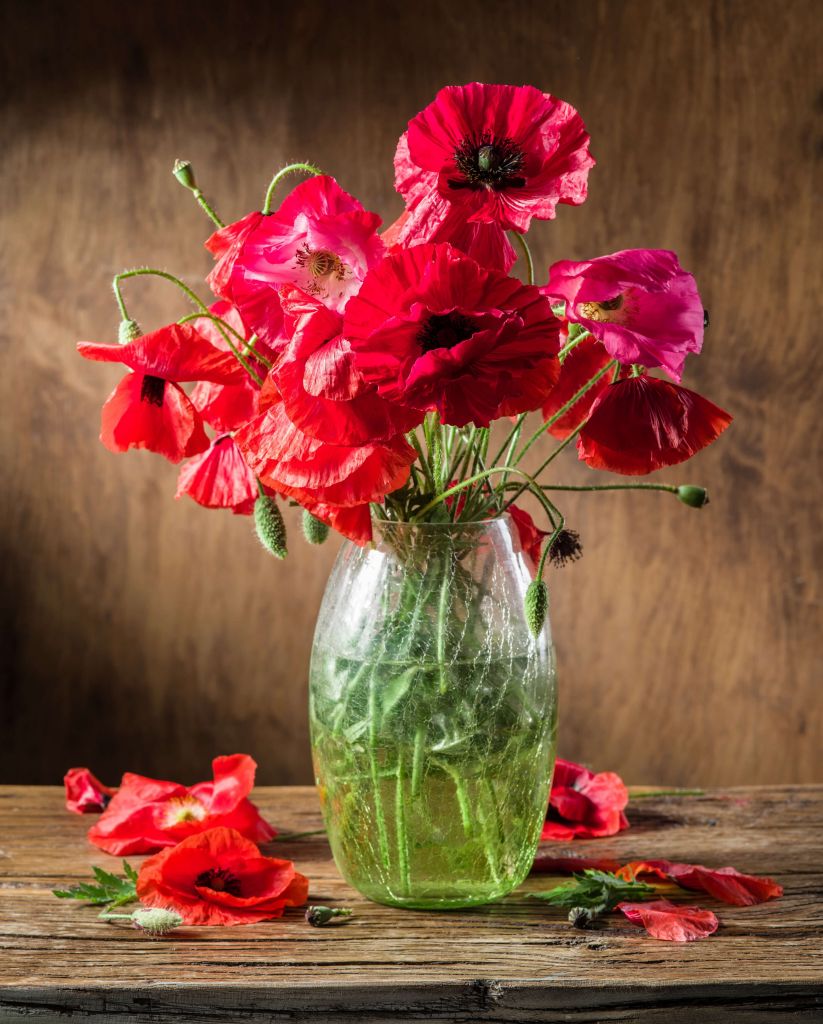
(110, 889)
(600, 890)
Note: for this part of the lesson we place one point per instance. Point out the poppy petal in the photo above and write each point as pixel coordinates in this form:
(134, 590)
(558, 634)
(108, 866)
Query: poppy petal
(671, 922)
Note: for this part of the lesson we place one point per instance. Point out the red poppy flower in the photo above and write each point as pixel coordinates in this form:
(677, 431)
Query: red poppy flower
(220, 877)
(324, 394)
(225, 245)
(584, 805)
(84, 793)
(148, 408)
(531, 537)
(580, 365)
(434, 330)
(726, 884)
(670, 921)
(219, 478)
(147, 814)
(310, 471)
(640, 303)
(641, 424)
(484, 159)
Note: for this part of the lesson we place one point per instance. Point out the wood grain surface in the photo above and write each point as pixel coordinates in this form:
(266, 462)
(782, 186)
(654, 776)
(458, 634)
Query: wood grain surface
(516, 960)
(147, 634)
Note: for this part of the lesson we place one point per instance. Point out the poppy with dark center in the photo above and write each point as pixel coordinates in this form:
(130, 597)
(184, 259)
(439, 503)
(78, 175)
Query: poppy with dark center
(220, 877)
(488, 163)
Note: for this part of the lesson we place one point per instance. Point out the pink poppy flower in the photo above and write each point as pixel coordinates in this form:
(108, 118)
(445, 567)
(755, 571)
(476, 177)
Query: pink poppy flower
(320, 239)
(484, 159)
(640, 303)
(435, 330)
(671, 922)
(583, 804)
(219, 478)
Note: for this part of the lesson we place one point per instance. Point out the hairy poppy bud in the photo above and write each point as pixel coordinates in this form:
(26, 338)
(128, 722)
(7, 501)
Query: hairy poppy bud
(128, 331)
(314, 530)
(156, 920)
(689, 494)
(271, 530)
(184, 173)
(583, 917)
(535, 605)
(318, 916)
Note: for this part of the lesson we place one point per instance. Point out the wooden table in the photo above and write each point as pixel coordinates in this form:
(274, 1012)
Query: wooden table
(516, 960)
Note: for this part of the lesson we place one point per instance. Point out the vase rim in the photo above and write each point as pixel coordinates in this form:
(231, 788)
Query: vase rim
(451, 525)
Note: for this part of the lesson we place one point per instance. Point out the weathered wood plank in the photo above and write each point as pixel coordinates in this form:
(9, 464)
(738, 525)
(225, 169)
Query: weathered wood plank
(516, 960)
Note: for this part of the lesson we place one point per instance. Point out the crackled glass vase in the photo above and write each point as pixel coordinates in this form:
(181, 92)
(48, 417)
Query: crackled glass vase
(433, 714)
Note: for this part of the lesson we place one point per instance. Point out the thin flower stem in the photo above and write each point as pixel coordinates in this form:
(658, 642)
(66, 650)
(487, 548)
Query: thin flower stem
(650, 794)
(220, 322)
(206, 208)
(671, 488)
(462, 796)
(400, 825)
(288, 169)
(544, 464)
(561, 355)
(531, 483)
(286, 837)
(442, 616)
(524, 246)
(511, 440)
(417, 760)
(379, 813)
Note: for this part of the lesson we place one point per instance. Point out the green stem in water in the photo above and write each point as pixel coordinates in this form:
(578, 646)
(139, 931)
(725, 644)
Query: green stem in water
(379, 813)
(442, 616)
(524, 247)
(462, 796)
(288, 169)
(417, 760)
(400, 824)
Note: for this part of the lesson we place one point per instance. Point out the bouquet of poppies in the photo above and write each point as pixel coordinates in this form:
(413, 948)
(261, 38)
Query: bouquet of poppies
(354, 372)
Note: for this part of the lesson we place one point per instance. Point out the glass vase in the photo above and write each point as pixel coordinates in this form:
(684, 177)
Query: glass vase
(433, 714)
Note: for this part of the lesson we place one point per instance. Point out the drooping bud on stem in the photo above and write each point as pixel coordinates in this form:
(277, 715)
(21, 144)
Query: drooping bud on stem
(314, 530)
(318, 916)
(271, 530)
(692, 495)
(128, 331)
(536, 605)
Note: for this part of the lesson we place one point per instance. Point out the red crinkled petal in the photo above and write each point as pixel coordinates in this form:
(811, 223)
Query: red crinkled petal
(225, 406)
(531, 537)
(131, 418)
(671, 922)
(726, 884)
(642, 424)
(226, 245)
(579, 366)
(84, 792)
(219, 478)
(353, 522)
(233, 781)
(588, 805)
(177, 352)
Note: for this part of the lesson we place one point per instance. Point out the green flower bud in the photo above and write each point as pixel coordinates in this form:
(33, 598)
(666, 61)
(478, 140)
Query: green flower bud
(318, 916)
(271, 530)
(156, 920)
(692, 495)
(184, 173)
(128, 331)
(314, 530)
(536, 605)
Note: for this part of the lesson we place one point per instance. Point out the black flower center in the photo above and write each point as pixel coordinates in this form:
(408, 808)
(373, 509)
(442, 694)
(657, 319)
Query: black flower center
(566, 547)
(488, 162)
(219, 880)
(445, 330)
(152, 390)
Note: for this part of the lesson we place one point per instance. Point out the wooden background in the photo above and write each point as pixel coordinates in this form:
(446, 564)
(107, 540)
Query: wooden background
(147, 634)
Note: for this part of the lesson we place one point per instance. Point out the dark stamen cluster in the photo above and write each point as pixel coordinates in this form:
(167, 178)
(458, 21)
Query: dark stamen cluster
(488, 163)
(152, 390)
(445, 331)
(219, 880)
(566, 548)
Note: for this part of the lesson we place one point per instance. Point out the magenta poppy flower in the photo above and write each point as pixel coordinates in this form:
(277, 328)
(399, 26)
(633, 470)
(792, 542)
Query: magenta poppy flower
(484, 159)
(640, 303)
(320, 239)
(435, 330)
(219, 478)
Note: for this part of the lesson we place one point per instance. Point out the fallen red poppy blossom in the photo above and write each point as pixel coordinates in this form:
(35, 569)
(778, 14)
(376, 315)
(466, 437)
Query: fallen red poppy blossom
(670, 921)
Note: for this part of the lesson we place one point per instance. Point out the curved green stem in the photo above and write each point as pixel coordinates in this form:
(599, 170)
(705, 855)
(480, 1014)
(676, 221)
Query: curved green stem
(288, 169)
(671, 488)
(206, 208)
(530, 483)
(524, 246)
(249, 345)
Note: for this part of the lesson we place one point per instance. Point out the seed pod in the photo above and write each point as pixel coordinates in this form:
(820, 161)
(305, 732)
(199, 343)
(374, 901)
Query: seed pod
(184, 173)
(536, 605)
(318, 916)
(128, 331)
(156, 920)
(271, 530)
(694, 496)
(314, 530)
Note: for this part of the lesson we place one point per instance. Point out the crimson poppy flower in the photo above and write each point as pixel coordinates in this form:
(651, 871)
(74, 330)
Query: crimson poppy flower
(320, 239)
(580, 365)
(148, 814)
(640, 303)
(219, 478)
(84, 792)
(148, 408)
(671, 922)
(531, 536)
(726, 884)
(434, 330)
(311, 471)
(583, 804)
(641, 424)
(484, 159)
(220, 877)
(225, 245)
(323, 392)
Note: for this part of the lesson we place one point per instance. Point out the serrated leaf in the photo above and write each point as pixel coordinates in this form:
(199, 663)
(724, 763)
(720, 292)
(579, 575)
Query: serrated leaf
(109, 889)
(593, 889)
